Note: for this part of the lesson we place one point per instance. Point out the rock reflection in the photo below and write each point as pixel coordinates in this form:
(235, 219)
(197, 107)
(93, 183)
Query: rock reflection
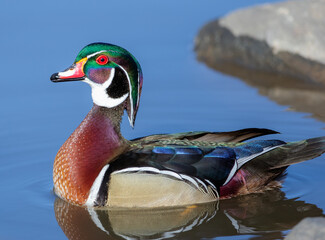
(300, 95)
(263, 216)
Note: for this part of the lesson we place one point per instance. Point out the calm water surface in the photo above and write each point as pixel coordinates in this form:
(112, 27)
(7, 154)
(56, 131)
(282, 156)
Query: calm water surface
(179, 94)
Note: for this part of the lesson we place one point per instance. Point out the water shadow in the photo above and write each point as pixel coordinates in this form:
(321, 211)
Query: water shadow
(261, 216)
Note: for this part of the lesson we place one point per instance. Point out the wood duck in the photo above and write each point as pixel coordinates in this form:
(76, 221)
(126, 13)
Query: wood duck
(97, 167)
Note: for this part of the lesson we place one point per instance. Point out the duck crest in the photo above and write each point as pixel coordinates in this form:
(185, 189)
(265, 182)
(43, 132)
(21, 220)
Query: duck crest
(93, 144)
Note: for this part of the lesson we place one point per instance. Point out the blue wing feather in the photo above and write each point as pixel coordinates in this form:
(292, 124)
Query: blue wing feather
(206, 163)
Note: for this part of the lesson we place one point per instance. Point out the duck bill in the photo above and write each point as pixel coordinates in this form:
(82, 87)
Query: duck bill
(73, 73)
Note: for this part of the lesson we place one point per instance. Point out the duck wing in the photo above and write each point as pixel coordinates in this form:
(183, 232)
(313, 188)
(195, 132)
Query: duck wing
(177, 173)
(233, 136)
(167, 172)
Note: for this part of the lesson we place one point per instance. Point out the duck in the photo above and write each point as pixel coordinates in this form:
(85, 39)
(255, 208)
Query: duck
(98, 167)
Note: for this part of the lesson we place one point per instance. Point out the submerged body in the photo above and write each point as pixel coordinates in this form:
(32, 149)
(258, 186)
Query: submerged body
(96, 166)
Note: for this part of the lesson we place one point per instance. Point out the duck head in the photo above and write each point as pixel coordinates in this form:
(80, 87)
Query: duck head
(114, 75)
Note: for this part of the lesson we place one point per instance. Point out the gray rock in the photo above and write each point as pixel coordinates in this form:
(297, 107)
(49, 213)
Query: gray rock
(308, 229)
(286, 37)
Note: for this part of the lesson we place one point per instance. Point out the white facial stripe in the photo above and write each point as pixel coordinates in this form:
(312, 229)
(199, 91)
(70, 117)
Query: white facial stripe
(138, 86)
(93, 54)
(131, 99)
(109, 80)
(99, 94)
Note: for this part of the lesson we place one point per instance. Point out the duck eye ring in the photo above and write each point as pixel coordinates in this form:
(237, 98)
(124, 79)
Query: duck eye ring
(102, 60)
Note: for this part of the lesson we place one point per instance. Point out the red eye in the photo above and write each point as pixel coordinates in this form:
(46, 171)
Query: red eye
(102, 60)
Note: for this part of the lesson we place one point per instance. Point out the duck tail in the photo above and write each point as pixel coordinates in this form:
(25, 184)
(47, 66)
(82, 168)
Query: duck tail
(271, 165)
(266, 171)
(288, 154)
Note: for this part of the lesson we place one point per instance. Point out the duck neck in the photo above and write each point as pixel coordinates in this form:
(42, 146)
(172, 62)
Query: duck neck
(91, 146)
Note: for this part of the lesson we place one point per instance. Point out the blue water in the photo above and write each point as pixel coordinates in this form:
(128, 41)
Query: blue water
(179, 94)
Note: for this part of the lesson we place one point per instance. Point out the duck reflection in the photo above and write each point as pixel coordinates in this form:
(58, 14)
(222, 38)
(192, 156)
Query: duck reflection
(266, 214)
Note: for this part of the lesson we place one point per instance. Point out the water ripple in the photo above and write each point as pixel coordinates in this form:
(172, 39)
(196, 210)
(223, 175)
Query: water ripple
(297, 185)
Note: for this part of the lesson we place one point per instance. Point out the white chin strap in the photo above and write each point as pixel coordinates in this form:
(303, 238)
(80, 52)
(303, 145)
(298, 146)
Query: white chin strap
(99, 94)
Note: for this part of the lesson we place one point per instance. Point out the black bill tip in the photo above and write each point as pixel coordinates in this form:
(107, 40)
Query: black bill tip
(55, 77)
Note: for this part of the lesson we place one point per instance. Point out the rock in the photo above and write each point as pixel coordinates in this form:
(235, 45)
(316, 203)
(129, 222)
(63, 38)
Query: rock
(307, 229)
(286, 38)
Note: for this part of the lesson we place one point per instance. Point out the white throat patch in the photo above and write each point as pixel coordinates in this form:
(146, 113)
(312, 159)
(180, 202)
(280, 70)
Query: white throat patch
(99, 93)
